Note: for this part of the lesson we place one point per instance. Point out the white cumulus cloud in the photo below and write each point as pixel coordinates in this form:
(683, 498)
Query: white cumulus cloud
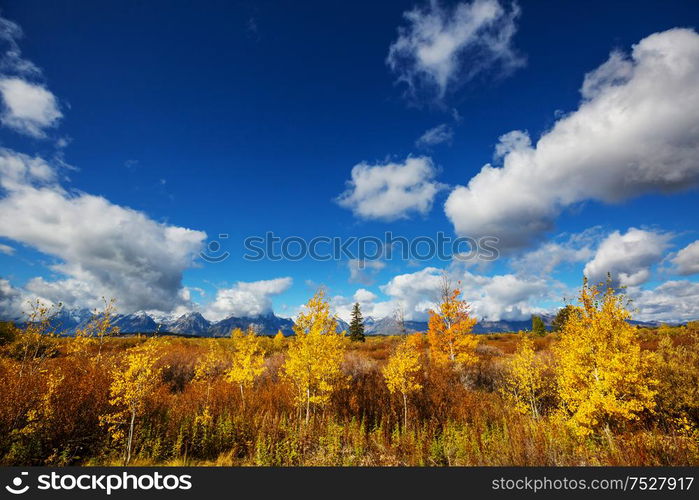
(364, 296)
(28, 106)
(101, 248)
(11, 307)
(627, 257)
(498, 297)
(636, 131)
(687, 260)
(391, 191)
(246, 299)
(672, 301)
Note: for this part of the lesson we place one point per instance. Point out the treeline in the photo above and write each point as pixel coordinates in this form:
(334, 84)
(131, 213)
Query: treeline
(597, 391)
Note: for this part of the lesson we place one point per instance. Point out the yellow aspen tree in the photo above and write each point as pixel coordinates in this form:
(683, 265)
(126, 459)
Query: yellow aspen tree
(449, 329)
(132, 385)
(315, 355)
(402, 371)
(603, 376)
(36, 340)
(524, 383)
(278, 341)
(247, 360)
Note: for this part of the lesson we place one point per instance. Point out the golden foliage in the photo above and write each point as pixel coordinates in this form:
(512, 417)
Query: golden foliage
(449, 330)
(36, 341)
(603, 376)
(247, 360)
(132, 385)
(524, 384)
(315, 355)
(402, 371)
(169, 400)
(677, 373)
(278, 341)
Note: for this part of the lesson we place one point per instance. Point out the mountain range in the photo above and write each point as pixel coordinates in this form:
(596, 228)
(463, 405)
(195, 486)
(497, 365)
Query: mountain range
(68, 321)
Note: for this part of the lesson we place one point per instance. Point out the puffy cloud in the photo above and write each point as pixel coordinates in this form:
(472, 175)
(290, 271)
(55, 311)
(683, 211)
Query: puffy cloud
(636, 131)
(687, 260)
(392, 190)
(364, 295)
(19, 171)
(363, 271)
(506, 296)
(444, 47)
(246, 299)
(102, 249)
(628, 257)
(673, 301)
(415, 293)
(10, 301)
(517, 140)
(437, 135)
(29, 108)
(492, 298)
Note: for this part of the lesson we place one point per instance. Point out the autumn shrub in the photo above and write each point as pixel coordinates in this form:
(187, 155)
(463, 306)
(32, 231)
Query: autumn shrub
(677, 373)
(177, 401)
(8, 332)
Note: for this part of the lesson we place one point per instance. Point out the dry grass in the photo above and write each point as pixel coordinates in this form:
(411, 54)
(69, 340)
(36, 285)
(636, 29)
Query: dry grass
(459, 418)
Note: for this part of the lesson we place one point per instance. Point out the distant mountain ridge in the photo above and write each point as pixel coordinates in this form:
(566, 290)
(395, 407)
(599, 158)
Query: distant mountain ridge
(264, 324)
(68, 321)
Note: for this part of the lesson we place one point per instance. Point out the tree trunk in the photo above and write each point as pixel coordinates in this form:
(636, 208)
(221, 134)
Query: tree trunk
(405, 412)
(308, 405)
(242, 396)
(129, 441)
(535, 410)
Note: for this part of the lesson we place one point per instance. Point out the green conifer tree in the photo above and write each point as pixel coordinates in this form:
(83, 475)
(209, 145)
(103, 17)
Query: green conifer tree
(356, 327)
(538, 326)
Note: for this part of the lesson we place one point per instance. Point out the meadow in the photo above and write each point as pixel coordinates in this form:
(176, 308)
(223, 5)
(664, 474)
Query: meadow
(444, 398)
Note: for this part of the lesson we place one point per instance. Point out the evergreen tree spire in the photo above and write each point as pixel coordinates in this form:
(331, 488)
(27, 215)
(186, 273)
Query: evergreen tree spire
(356, 327)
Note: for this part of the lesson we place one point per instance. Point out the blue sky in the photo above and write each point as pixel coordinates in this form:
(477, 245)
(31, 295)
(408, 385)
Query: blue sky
(164, 124)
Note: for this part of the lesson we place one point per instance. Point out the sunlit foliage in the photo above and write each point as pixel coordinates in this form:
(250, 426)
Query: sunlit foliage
(449, 329)
(604, 378)
(315, 355)
(133, 383)
(524, 384)
(403, 369)
(322, 400)
(247, 360)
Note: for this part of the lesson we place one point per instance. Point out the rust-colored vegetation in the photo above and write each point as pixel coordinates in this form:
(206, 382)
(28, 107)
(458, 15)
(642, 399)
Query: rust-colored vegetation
(597, 392)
